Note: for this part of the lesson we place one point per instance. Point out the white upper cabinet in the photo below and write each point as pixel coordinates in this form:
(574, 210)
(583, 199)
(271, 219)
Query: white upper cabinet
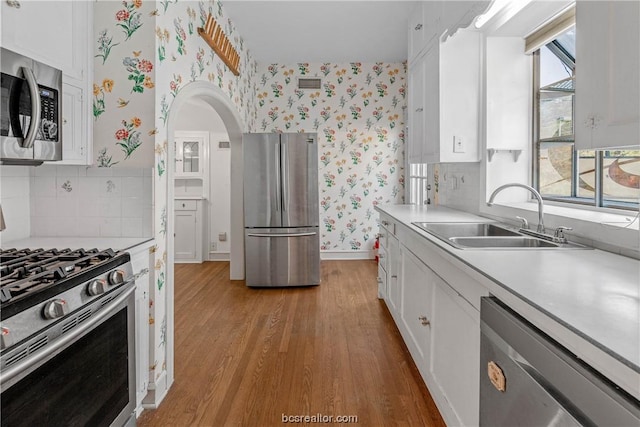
(191, 154)
(444, 101)
(53, 32)
(424, 26)
(607, 74)
(58, 33)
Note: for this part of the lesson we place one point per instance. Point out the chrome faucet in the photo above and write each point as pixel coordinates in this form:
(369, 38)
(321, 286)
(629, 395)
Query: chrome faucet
(540, 228)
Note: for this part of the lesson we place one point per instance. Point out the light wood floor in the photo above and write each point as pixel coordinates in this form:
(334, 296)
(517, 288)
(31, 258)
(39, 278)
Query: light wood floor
(247, 356)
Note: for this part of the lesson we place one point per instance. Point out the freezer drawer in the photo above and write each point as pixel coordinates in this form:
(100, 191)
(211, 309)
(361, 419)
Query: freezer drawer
(282, 257)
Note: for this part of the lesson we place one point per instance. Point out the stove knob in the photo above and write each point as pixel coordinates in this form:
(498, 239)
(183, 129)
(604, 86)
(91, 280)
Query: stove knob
(54, 309)
(5, 338)
(116, 277)
(97, 287)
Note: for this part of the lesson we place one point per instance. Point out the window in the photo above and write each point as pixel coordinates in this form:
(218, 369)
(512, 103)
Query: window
(418, 194)
(602, 178)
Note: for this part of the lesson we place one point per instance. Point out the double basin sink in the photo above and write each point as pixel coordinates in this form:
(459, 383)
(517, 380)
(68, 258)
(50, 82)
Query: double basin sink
(486, 235)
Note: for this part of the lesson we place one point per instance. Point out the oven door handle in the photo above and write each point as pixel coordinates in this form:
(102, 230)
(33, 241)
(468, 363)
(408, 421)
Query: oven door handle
(64, 340)
(36, 108)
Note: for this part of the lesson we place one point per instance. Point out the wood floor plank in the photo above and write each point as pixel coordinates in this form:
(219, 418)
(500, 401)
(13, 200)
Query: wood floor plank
(246, 357)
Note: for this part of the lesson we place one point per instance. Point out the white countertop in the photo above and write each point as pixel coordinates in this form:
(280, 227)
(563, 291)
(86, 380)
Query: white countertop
(592, 293)
(115, 243)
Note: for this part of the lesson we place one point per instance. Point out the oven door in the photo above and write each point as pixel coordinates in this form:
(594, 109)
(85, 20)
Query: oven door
(84, 378)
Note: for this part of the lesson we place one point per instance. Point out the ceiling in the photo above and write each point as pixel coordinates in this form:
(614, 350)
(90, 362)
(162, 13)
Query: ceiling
(322, 31)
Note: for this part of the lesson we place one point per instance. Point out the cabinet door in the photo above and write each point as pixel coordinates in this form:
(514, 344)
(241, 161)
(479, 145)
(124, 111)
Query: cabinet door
(52, 32)
(185, 235)
(141, 263)
(393, 266)
(74, 145)
(415, 308)
(191, 154)
(455, 351)
(607, 74)
(431, 141)
(416, 110)
(459, 82)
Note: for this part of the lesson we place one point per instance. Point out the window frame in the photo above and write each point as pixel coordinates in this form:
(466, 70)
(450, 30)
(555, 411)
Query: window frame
(598, 201)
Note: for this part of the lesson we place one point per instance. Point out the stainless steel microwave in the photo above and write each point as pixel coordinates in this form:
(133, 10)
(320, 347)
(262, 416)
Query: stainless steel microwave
(31, 111)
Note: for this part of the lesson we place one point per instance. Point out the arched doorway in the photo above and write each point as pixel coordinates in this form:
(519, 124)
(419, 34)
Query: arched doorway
(218, 100)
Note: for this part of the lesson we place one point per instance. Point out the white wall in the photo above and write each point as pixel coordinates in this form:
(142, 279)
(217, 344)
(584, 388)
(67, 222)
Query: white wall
(199, 116)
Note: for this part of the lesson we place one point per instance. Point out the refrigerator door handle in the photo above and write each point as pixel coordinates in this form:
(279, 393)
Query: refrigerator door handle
(285, 179)
(281, 235)
(278, 179)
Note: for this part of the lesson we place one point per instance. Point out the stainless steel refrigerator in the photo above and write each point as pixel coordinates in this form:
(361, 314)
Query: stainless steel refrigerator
(281, 217)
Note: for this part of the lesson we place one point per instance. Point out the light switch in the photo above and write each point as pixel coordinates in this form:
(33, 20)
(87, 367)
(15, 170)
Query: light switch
(458, 145)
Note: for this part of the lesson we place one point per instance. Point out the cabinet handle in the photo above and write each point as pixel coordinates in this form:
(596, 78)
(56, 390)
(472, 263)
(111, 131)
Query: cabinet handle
(419, 110)
(380, 256)
(140, 274)
(184, 206)
(379, 280)
(64, 121)
(418, 27)
(394, 276)
(385, 223)
(13, 3)
(424, 321)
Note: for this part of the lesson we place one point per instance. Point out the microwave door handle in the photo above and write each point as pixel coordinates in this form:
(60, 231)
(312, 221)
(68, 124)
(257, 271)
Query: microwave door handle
(36, 108)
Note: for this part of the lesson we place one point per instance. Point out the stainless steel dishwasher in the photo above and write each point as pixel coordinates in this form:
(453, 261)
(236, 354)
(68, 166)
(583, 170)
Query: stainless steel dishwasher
(528, 379)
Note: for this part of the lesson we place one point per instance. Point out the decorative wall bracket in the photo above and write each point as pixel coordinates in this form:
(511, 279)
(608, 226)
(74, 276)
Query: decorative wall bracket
(214, 36)
(492, 151)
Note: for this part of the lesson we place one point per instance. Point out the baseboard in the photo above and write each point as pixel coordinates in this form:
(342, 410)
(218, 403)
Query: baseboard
(345, 255)
(219, 256)
(157, 392)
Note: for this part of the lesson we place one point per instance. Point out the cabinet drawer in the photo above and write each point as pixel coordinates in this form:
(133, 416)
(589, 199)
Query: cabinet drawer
(186, 205)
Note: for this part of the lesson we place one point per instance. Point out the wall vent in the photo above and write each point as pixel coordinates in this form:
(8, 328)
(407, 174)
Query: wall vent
(224, 144)
(309, 83)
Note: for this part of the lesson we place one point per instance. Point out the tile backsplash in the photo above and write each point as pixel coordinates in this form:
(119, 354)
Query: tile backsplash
(90, 202)
(14, 194)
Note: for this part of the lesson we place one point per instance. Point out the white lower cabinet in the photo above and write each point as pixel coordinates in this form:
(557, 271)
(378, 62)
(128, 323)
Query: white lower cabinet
(142, 263)
(442, 332)
(416, 294)
(455, 353)
(188, 231)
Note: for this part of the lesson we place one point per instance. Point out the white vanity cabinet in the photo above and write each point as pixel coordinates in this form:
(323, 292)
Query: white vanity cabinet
(188, 231)
(142, 263)
(607, 112)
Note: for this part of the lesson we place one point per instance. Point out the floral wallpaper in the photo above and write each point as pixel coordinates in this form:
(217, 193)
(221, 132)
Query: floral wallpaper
(181, 57)
(145, 53)
(358, 116)
(123, 88)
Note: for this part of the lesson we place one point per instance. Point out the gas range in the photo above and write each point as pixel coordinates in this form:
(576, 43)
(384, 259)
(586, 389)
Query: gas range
(67, 320)
(39, 287)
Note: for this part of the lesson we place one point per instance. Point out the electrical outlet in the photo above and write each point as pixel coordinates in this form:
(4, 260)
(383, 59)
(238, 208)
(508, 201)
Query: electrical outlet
(458, 145)
(214, 246)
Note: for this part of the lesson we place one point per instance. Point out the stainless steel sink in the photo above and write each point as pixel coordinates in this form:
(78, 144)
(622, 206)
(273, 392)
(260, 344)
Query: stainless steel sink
(488, 235)
(465, 229)
(502, 242)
